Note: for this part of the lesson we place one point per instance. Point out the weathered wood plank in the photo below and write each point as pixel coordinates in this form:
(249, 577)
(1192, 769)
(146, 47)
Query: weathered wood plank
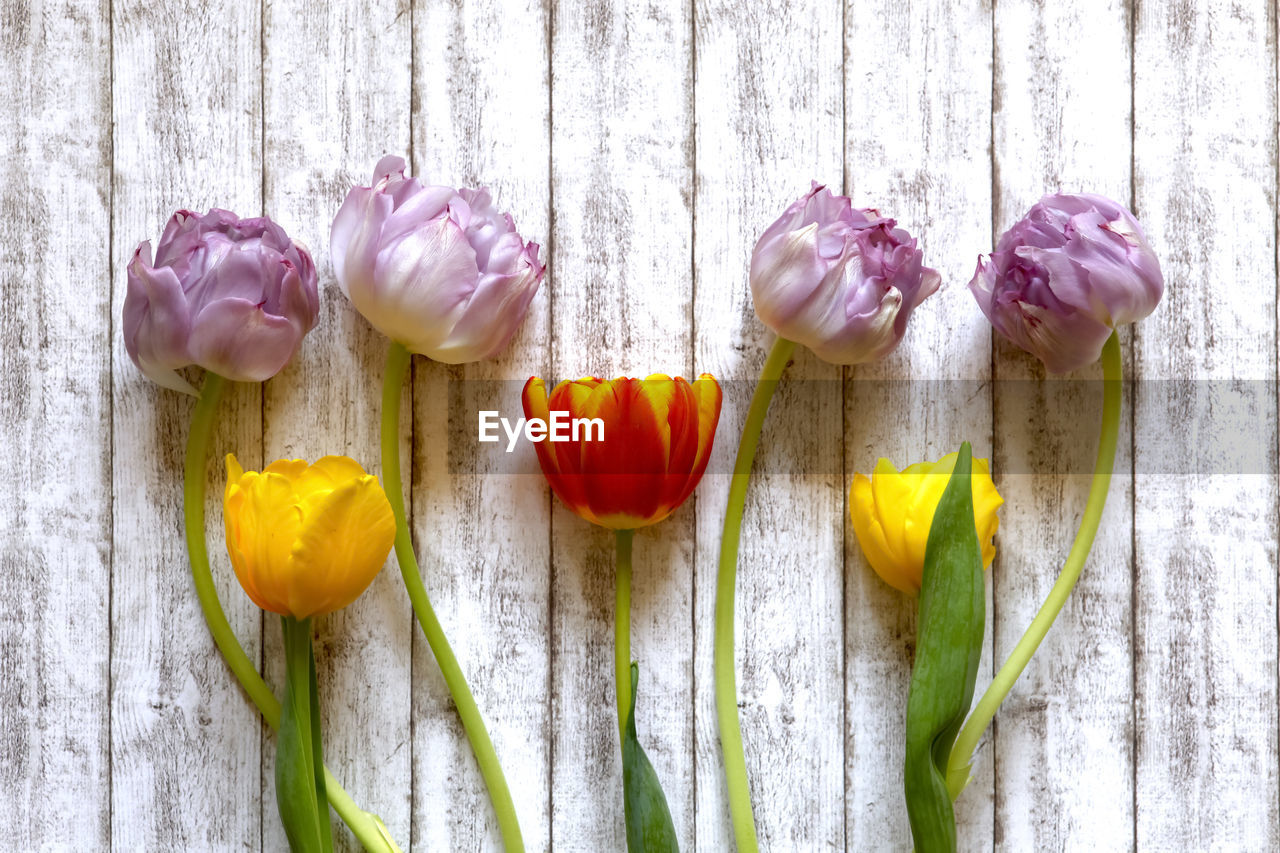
(769, 119)
(1205, 537)
(326, 123)
(185, 740)
(55, 521)
(483, 528)
(1064, 738)
(622, 165)
(918, 123)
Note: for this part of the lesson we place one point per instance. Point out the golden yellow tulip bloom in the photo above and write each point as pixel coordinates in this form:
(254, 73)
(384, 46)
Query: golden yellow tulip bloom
(306, 539)
(893, 510)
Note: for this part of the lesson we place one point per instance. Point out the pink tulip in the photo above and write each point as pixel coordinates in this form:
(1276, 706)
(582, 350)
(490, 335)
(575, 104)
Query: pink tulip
(1065, 276)
(435, 269)
(840, 281)
(234, 296)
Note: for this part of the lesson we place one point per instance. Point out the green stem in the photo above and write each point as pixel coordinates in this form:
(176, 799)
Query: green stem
(735, 762)
(985, 710)
(367, 827)
(622, 629)
(472, 722)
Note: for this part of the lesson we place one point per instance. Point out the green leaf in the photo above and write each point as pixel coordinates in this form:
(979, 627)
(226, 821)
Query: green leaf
(649, 826)
(300, 788)
(948, 648)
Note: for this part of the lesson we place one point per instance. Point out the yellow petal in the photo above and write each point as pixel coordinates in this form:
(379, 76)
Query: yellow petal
(870, 533)
(342, 546)
(234, 471)
(290, 469)
(268, 523)
(891, 491)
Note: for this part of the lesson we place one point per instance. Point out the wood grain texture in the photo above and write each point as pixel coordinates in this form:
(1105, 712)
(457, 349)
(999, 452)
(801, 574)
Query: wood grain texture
(621, 302)
(917, 148)
(328, 400)
(769, 120)
(481, 117)
(185, 760)
(1205, 540)
(646, 145)
(1063, 747)
(55, 520)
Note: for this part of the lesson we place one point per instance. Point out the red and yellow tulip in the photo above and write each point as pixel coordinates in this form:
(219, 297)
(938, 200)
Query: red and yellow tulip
(657, 436)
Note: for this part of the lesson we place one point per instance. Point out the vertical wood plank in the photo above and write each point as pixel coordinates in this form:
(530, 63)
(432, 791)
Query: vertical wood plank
(1205, 539)
(1064, 738)
(55, 521)
(481, 107)
(185, 740)
(336, 98)
(769, 119)
(917, 149)
(622, 159)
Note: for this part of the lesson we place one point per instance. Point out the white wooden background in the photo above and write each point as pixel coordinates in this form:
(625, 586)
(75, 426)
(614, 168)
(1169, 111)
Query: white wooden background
(645, 144)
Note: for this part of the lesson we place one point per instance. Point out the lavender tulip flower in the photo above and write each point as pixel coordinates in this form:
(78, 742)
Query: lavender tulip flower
(1065, 276)
(843, 282)
(435, 269)
(234, 296)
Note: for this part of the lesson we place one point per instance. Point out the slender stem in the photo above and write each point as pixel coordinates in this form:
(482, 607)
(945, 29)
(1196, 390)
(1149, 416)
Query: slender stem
(984, 711)
(367, 827)
(622, 629)
(472, 722)
(735, 761)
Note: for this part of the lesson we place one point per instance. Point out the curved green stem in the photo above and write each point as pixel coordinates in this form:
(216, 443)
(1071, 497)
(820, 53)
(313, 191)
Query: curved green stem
(472, 722)
(368, 828)
(735, 762)
(622, 629)
(967, 741)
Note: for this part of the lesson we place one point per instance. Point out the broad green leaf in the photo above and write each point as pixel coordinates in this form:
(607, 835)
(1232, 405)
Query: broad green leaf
(300, 789)
(948, 648)
(649, 826)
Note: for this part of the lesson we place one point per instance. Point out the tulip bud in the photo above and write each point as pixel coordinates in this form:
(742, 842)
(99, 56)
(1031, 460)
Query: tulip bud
(1065, 276)
(657, 436)
(234, 296)
(840, 281)
(306, 540)
(435, 269)
(892, 512)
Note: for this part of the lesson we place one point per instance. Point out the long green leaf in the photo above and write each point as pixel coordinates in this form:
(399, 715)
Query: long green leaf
(649, 826)
(300, 788)
(948, 648)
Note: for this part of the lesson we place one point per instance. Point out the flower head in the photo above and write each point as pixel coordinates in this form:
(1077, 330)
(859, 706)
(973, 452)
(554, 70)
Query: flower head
(436, 269)
(234, 296)
(306, 539)
(648, 455)
(843, 282)
(1065, 276)
(892, 512)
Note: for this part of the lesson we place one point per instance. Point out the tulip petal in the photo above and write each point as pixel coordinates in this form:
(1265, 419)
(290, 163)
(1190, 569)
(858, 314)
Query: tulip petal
(490, 319)
(342, 547)
(868, 528)
(267, 524)
(353, 240)
(157, 321)
(237, 339)
(422, 285)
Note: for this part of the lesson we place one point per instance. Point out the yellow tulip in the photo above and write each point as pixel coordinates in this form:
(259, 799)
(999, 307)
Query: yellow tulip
(306, 539)
(893, 510)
